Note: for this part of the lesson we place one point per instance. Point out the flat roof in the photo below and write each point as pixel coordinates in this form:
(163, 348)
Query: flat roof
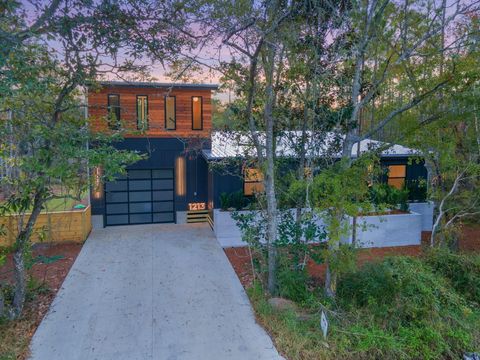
(146, 84)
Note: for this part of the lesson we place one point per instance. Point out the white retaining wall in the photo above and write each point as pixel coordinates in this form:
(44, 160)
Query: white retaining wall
(426, 210)
(372, 231)
(389, 230)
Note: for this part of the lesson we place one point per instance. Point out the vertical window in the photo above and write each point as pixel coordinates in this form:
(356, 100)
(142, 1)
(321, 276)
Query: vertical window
(170, 113)
(142, 112)
(197, 113)
(397, 175)
(253, 181)
(113, 109)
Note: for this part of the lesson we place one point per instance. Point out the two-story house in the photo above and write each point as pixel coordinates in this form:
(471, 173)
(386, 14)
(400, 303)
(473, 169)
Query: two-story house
(171, 123)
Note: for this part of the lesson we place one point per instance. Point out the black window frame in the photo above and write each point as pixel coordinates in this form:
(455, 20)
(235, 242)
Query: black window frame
(397, 177)
(174, 111)
(245, 181)
(116, 124)
(201, 112)
(136, 108)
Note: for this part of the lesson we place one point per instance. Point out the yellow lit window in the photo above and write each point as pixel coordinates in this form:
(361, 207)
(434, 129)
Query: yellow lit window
(307, 171)
(170, 120)
(197, 116)
(253, 181)
(397, 175)
(142, 112)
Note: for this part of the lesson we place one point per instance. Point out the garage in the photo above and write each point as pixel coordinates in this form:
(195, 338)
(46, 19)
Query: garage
(143, 196)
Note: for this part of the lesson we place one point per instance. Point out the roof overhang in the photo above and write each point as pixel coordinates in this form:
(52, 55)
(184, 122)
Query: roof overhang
(160, 85)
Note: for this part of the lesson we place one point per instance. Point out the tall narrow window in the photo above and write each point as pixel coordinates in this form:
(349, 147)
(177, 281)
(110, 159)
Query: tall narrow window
(142, 112)
(253, 182)
(113, 109)
(397, 175)
(197, 113)
(170, 113)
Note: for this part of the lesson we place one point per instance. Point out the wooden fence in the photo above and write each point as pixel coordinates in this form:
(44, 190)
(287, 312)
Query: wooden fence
(57, 226)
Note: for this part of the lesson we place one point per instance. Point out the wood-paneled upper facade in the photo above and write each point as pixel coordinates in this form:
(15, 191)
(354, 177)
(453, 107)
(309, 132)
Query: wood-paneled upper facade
(153, 109)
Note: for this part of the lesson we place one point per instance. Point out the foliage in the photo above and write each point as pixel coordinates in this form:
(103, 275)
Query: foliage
(462, 270)
(298, 241)
(383, 195)
(417, 190)
(47, 145)
(398, 308)
(235, 200)
(405, 298)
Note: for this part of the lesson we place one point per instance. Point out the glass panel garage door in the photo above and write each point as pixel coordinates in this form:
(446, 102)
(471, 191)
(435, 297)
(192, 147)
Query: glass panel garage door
(141, 197)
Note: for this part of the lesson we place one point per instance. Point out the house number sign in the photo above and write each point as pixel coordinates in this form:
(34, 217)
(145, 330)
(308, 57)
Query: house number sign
(197, 206)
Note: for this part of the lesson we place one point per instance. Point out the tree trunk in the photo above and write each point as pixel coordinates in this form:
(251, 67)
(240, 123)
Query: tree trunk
(20, 281)
(2, 304)
(18, 257)
(271, 198)
(330, 282)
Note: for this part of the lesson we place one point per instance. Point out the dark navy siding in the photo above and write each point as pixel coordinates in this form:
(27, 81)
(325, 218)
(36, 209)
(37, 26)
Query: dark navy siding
(162, 153)
(224, 181)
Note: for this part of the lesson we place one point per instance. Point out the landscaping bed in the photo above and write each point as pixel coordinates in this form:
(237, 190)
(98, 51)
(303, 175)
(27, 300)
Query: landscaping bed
(46, 278)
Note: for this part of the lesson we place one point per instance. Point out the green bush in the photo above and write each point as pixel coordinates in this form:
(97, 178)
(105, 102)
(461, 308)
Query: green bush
(462, 270)
(235, 200)
(403, 298)
(386, 195)
(292, 284)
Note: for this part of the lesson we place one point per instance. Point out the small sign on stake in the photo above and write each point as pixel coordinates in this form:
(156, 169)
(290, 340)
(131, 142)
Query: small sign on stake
(324, 324)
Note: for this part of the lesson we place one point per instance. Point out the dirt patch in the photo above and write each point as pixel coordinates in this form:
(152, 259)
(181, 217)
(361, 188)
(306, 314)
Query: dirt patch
(240, 259)
(48, 278)
(470, 238)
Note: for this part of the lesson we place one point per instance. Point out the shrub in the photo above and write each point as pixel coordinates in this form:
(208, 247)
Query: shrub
(292, 283)
(462, 270)
(386, 195)
(234, 200)
(407, 300)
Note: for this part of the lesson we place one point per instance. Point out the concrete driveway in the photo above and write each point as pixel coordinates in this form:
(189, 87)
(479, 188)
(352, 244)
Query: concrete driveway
(162, 292)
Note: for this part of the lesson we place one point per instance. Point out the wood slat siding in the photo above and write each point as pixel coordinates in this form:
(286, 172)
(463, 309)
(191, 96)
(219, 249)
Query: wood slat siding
(61, 226)
(97, 102)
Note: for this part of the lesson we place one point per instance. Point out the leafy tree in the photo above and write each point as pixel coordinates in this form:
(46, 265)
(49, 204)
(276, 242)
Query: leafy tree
(46, 145)
(46, 65)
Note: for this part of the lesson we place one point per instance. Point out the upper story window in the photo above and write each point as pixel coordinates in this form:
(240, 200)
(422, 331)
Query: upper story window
(113, 109)
(252, 181)
(397, 175)
(142, 112)
(170, 113)
(197, 113)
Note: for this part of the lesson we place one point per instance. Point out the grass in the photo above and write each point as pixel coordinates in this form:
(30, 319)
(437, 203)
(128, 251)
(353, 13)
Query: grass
(398, 308)
(62, 204)
(15, 337)
(296, 339)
